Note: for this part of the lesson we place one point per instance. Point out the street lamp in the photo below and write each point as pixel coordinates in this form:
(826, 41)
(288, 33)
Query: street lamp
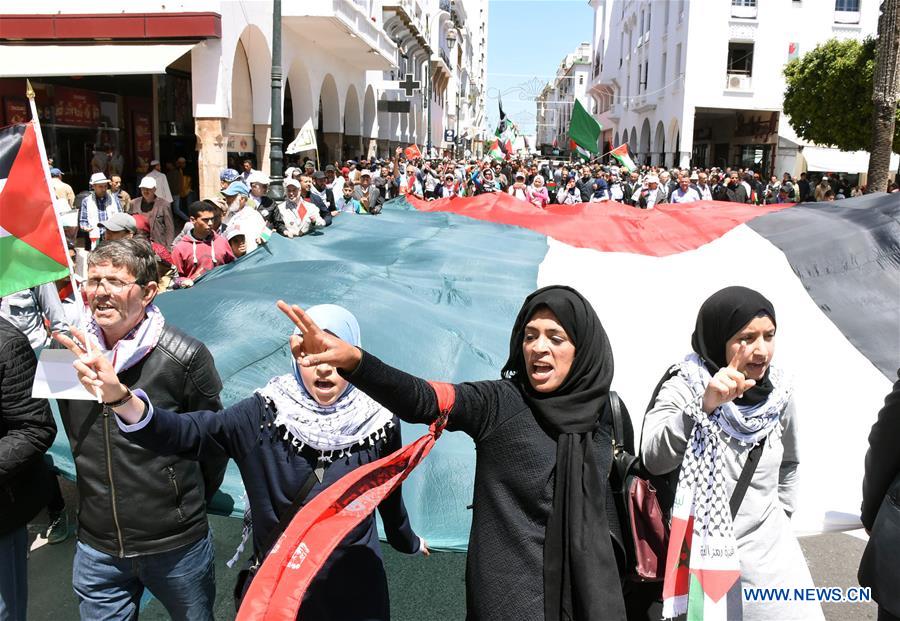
(276, 155)
(451, 43)
(451, 39)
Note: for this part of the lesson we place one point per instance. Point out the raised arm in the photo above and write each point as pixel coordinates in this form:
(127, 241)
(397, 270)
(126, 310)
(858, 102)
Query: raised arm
(409, 397)
(199, 435)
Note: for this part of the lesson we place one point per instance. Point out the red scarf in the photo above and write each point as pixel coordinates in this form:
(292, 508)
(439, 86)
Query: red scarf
(277, 589)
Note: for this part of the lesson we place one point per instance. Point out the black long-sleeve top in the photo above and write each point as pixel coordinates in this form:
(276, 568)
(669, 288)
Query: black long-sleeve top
(514, 483)
(352, 585)
(882, 459)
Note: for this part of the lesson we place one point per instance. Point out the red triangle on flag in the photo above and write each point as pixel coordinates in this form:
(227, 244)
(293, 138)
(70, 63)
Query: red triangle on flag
(26, 206)
(716, 582)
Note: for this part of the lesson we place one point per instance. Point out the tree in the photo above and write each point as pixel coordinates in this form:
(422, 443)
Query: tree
(824, 95)
(884, 95)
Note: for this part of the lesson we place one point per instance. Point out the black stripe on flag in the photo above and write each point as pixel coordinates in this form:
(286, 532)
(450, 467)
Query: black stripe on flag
(847, 255)
(10, 141)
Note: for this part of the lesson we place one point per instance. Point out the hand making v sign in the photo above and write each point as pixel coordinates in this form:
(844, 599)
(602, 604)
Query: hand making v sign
(314, 346)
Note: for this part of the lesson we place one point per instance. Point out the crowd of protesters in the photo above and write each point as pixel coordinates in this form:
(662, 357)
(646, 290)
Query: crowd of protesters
(129, 250)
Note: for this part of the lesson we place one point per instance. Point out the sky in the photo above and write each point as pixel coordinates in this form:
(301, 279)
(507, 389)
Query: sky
(527, 39)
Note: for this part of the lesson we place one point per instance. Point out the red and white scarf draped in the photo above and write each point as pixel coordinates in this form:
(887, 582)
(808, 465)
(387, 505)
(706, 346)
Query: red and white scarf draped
(134, 346)
(278, 587)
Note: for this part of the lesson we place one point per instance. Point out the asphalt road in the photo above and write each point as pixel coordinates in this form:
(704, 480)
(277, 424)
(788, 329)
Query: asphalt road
(421, 589)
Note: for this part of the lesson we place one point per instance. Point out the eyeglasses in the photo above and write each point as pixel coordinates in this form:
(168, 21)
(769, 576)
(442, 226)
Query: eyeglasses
(112, 285)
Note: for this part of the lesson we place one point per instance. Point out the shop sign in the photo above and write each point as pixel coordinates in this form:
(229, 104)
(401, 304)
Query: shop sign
(16, 110)
(76, 107)
(240, 143)
(143, 137)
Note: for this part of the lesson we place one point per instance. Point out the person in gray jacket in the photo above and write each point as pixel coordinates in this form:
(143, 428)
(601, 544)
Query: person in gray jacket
(711, 411)
(27, 310)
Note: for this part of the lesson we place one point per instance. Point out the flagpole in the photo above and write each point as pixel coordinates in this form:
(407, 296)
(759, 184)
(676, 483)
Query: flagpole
(29, 92)
(42, 151)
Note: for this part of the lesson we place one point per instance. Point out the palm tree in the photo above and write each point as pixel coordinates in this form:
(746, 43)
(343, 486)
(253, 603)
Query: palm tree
(884, 94)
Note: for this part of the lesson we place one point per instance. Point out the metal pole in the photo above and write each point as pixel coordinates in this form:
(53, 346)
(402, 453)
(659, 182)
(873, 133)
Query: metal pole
(428, 97)
(276, 155)
(456, 129)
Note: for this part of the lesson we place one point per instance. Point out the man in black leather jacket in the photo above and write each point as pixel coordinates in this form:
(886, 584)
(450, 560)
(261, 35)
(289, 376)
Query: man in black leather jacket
(26, 432)
(142, 517)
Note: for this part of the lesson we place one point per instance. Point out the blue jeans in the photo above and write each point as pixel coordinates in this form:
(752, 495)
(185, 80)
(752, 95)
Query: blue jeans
(110, 588)
(14, 575)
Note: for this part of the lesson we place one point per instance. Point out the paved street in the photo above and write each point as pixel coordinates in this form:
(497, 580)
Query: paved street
(420, 588)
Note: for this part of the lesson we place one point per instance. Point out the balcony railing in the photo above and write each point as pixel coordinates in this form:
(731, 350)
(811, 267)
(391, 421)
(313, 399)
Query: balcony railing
(743, 12)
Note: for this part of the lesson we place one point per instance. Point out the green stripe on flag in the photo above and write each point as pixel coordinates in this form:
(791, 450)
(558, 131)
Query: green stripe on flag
(22, 267)
(696, 600)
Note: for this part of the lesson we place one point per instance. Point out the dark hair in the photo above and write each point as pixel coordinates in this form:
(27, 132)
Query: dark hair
(135, 255)
(196, 207)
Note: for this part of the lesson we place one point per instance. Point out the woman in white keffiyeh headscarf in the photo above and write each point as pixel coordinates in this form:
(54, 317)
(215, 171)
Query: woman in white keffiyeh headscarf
(710, 411)
(307, 427)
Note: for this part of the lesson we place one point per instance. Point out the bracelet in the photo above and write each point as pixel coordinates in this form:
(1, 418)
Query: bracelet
(122, 401)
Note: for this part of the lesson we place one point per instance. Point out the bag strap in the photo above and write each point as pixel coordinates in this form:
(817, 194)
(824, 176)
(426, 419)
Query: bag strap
(618, 424)
(288, 515)
(753, 458)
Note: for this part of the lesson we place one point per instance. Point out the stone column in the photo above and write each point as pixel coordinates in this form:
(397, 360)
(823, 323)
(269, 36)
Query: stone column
(212, 153)
(261, 134)
(333, 147)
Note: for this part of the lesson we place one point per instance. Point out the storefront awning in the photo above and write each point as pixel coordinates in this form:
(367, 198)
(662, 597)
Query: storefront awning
(35, 61)
(820, 159)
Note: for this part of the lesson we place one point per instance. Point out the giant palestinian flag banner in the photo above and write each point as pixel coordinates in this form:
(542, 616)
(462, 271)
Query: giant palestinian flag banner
(31, 248)
(436, 287)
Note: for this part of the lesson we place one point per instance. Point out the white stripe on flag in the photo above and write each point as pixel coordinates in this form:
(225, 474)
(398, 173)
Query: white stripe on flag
(4, 232)
(648, 306)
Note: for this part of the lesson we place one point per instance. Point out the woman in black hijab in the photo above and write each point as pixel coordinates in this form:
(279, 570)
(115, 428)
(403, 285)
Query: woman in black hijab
(540, 547)
(723, 413)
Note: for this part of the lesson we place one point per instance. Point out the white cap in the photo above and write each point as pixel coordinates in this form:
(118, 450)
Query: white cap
(257, 177)
(652, 179)
(148, 183)
(98, 178)
(154, 162)
(233, 231)
(291, 183)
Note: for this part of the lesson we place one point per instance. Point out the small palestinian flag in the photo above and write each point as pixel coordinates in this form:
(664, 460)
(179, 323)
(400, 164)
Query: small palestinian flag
(494, 149)
(621, 154)
(31, 248)
(580, 151)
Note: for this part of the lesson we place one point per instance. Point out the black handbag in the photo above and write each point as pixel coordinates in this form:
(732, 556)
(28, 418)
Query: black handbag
(245, 576)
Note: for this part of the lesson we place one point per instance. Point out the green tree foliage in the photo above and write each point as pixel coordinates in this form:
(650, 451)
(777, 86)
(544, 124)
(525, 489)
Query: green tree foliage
(829, 95)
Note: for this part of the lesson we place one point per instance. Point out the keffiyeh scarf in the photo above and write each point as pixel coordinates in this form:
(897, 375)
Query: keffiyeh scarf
(333, 429)
(702, 564)
(134, 346)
